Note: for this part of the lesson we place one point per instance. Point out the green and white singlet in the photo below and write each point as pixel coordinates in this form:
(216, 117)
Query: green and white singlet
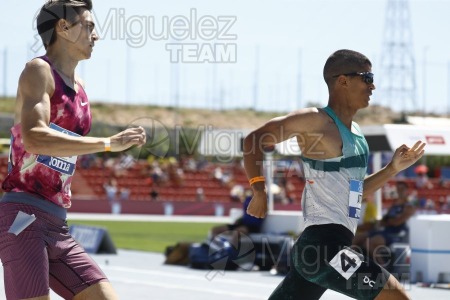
(333, 190)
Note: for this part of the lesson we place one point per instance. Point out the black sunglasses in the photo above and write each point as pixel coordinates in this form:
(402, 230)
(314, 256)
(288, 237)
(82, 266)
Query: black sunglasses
(366, 76)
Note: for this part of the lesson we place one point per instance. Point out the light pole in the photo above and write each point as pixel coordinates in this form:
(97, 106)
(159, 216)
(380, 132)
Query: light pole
(5, 72)
(448, 89)
(424, 78)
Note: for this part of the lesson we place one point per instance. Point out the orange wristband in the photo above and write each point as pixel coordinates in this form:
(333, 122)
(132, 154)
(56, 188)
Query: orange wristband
(107, 145)
(257, 179)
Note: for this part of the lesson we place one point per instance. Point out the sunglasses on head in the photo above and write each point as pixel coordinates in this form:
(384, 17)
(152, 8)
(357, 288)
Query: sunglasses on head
(367, 77)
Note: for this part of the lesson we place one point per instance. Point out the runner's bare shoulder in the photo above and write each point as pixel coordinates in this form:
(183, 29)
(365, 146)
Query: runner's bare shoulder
(311, 117)
(36, 75)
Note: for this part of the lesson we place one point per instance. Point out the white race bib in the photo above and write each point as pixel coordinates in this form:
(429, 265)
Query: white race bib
(65, 165)
(355, 198)
(346, 262)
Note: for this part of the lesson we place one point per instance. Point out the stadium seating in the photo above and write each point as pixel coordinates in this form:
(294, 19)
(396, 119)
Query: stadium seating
(88, 184)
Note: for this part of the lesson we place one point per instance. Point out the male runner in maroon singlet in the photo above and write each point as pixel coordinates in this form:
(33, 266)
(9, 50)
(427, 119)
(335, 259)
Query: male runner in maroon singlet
(52, 117)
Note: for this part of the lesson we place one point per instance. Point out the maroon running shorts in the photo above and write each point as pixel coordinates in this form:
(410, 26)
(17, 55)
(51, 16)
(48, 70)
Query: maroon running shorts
(43, 255)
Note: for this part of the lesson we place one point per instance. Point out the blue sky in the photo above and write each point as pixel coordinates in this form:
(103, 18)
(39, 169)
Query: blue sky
(290, 37)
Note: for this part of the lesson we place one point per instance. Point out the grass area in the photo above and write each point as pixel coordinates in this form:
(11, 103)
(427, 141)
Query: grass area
(150, 236)
(7, 105)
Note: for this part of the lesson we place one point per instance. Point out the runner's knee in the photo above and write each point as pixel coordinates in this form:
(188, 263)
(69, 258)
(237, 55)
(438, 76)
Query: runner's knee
(98, 291)
(393, 290)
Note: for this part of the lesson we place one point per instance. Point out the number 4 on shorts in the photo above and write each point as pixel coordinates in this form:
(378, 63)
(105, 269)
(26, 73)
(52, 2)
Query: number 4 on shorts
(346, 262)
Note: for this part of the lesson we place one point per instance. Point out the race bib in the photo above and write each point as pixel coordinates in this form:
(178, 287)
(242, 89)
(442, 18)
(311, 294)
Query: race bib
(64, 165)
(346, 262)
(355, 199)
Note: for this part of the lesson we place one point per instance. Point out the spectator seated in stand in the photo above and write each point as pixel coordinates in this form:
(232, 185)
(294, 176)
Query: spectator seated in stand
(157, 174)
(124, 194)
(154, 194)
(175, 173)
(111, 189)
(236, 193)
(202, 163)
(189, 164)
(88, 160)
(246, 224)
(122, 164)
(392, 227)
(445, 177)
(200, 194)
(224, 177)
(369, 215)
(422, 180)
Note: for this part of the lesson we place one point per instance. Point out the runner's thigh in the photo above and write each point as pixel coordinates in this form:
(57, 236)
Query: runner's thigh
(71, 269)
(24, 256)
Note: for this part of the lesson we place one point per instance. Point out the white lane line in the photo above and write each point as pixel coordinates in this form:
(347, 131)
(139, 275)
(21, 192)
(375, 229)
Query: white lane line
(173, 286)
(191, 277)
(147, 218)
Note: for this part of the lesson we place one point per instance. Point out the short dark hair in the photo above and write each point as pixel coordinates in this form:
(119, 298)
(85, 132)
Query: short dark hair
(53, 11)
(342, 62)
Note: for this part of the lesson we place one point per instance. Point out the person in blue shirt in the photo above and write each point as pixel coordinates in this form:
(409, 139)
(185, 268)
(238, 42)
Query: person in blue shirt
(391, 228)
(246, 224)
